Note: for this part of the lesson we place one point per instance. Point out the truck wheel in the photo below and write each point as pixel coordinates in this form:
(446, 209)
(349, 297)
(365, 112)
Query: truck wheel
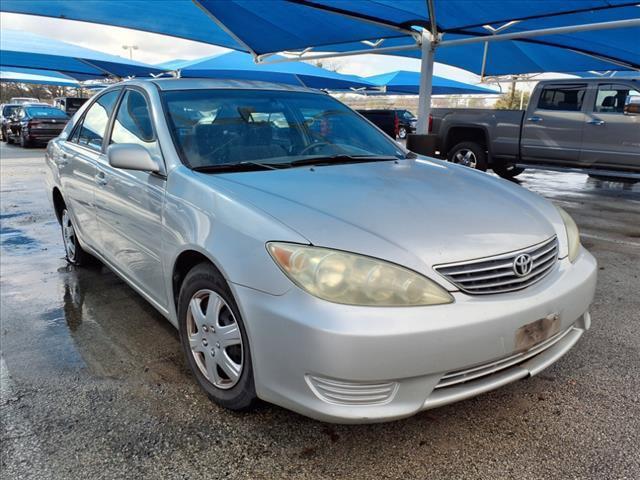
(469, 154)
(507, 170)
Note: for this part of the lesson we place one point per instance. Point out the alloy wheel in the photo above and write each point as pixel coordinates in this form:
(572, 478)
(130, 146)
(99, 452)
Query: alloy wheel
(215, 339)
(465, 157)
(69, 236)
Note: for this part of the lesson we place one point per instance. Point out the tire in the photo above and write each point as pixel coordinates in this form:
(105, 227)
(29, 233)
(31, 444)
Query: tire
(469, 154)
(24, 143)
(402, 133)
(74, 252)
(202, 339)
(507, 170)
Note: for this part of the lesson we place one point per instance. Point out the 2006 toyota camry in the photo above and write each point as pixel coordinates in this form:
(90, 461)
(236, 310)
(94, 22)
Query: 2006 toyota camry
(306, 258)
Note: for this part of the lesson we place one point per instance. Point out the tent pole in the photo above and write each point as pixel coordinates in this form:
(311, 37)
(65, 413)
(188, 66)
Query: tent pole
(426, 82)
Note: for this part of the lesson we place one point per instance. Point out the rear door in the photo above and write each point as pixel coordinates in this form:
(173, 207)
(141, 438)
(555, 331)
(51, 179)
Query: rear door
(129, 203)
(77, 166)
(611, 138)
(553, 127)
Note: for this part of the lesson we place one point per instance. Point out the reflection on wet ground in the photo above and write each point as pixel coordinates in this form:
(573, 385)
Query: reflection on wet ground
(93, 381)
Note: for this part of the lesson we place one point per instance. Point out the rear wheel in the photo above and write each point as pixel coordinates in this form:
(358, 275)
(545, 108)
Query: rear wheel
(469, 154)
(75, 253)
(507, 170)
(214, 339)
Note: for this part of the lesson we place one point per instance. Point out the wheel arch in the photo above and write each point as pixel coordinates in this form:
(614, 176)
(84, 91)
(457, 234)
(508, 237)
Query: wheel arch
(58, 203)
(466, 133)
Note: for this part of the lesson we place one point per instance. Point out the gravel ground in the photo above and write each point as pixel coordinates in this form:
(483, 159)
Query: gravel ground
(94, 384)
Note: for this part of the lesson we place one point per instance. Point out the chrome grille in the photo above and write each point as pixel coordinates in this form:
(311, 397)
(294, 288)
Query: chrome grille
(351, 393)
(498, 274)
(472, 373)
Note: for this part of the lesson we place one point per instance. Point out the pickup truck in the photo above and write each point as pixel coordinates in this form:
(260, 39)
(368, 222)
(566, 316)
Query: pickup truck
(589, 125)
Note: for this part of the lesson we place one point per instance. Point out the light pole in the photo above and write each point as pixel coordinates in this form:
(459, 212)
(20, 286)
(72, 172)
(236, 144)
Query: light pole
(131, 48)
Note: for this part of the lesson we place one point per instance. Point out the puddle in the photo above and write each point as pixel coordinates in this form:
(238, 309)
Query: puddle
(12, 237)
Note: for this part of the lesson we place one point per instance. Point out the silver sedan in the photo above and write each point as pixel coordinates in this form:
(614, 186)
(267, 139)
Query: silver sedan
(307, 259)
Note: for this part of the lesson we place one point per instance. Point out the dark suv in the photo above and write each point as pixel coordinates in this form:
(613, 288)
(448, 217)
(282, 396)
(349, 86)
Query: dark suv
(6, 111)
(32, 124)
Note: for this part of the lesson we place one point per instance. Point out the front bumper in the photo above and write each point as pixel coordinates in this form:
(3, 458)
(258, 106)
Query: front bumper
(352, 364)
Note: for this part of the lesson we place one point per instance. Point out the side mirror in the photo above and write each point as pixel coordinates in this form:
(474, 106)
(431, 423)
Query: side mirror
(131, 156)
(632, 105)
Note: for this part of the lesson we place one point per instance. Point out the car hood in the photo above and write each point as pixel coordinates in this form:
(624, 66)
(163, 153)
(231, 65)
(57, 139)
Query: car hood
(417, 213)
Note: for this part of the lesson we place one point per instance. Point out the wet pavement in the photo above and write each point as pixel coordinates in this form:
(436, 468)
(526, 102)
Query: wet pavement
(93, 383)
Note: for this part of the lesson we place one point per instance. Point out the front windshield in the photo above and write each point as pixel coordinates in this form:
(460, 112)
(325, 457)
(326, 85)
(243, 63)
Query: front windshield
(45, 112)
(229, 127)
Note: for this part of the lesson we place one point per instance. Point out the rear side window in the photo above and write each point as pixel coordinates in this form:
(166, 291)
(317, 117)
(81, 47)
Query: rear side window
(567, 98)
(94, 124)
(611, 98)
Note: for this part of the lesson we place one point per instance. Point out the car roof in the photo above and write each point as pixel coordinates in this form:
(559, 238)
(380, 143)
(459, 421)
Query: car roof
(167, 84)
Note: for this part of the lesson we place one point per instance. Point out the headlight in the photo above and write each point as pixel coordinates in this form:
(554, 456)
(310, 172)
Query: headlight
(573, 235)
(351, 279)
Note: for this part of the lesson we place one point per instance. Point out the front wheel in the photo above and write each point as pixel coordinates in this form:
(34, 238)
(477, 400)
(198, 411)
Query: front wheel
(469, 154)
(214, 339)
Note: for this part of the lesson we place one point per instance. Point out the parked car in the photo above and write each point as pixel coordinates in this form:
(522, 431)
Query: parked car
(23, 100)
(69, 105)
(307, 259)
(569, 124)
(395, 123)
(6, 111)
(35, 124)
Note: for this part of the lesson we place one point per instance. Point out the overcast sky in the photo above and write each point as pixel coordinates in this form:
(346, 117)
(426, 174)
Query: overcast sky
(154, 48)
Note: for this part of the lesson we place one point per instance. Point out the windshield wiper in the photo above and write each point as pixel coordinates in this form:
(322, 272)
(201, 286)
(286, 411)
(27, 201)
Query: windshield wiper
(246, 166)
(340, 159)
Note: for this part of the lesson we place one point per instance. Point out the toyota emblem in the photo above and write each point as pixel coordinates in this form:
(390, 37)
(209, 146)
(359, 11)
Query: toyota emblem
(522, 265)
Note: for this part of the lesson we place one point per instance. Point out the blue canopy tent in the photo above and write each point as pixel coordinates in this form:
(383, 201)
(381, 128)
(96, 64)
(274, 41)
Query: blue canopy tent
(24, 50)
(408, 83)
(240, 65)
(488, 37)
(40, 77)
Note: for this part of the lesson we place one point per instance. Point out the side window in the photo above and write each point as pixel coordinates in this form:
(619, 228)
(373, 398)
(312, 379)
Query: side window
(611, 98)
(94, 124)
(567, 98)
(133, 123)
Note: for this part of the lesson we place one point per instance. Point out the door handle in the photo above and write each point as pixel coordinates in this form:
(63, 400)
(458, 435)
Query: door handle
(596, 121)
(534, 119)
(100, 179)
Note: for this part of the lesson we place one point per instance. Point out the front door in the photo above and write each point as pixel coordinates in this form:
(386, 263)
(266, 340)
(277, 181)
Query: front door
(553, 127)
(611, 138)
(129, 203)
(77, 164)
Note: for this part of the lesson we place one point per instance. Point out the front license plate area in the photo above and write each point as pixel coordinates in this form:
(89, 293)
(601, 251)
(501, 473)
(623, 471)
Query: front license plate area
(531, 334)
